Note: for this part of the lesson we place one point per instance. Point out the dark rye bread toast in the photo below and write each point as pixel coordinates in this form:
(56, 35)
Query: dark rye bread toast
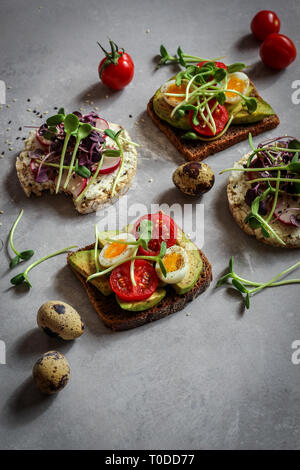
(114, 317)
(198, 150)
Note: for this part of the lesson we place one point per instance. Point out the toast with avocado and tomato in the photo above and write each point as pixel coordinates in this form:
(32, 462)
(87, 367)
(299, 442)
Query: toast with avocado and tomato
(141, 274)
(209, 107)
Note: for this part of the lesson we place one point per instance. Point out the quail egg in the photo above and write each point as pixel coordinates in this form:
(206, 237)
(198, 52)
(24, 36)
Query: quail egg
(194, 178)
(51, 372)
(60, 320)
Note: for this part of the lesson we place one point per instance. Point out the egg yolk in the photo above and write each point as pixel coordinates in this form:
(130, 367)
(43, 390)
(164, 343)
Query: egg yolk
(115, 249)
(234, 83)
(173, 88)
(173, 262)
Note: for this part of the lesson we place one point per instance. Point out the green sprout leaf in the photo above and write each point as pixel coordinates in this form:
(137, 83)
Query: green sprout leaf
(26, 255)
(236, 67)
(251, 104)
(239, 286)
(220, 74)
(55, 120)
(14, 261)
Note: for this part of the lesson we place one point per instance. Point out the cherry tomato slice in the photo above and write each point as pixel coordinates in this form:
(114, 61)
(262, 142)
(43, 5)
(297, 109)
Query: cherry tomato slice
(164, 229)
(278, 51)
(145, 277)
(265, 22)
(220, 116)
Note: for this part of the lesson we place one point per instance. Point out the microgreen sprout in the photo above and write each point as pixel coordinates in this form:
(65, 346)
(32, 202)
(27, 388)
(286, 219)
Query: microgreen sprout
(242, 285)
(20, 256)
(83, 131)
(179, 58)
(71, 124)
(23, 277)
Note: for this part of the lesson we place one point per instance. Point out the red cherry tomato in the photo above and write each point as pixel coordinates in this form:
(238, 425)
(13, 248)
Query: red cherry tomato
(220, 116)
(220, 65)
(145, 277)
(278, 51)
(116, 69)
(265, 22)
(164, 229)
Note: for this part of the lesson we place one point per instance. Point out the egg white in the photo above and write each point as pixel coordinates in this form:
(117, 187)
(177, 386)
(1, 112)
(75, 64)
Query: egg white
(106, 261)
(173, 277)
(246, 82)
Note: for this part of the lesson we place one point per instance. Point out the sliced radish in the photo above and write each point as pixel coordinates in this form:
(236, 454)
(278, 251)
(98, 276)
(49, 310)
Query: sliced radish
(110, 164)
(102, 124)
(44, 142)
(288, 210)
(76, 184)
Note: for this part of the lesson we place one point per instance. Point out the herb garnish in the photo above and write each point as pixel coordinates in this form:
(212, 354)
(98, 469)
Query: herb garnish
(20, 256)
(23, 277)
(242, 284)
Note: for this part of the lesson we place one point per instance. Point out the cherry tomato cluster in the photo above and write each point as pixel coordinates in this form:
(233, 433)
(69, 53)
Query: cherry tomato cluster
(277, 50)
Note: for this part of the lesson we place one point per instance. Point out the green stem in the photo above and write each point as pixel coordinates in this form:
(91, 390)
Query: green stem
(11, 235)
(132, 268)
(63, 250)
(93, 178)
(96, 259)
(275, 198)
(288, 180)
(62, 158)
(120, 168)
(267, 284)
(269, 228)
(72, 162)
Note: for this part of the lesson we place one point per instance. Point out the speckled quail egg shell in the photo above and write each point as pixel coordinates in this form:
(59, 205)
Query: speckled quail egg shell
(60, 320)
(51, 372)
(194, 178)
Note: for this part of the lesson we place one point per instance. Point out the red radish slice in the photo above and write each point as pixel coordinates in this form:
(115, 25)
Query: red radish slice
(76, 184)
(44, 142)
(288, 210)
(102, 124)
(110, 164)
(33, 166)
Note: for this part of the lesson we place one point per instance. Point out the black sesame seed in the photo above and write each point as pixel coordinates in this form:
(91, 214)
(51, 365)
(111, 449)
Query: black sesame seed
(23, 138)
(9, 122)
(20, 128)
(28, 99)
(130, 115)
(55, 108)
(17, 138)
(34, 111)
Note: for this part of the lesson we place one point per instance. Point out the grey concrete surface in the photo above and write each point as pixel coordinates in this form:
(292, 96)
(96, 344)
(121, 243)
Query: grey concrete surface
(218, 378)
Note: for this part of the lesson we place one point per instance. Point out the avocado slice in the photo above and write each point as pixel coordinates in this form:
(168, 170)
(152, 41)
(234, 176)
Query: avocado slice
(83, 263)
(163, 111)
(141, 305)
(195, 264)
(244, 117)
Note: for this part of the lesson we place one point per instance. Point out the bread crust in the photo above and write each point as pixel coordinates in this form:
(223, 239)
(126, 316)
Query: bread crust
(117, 319)
(236, 190)
(198, 150)
(90, 203)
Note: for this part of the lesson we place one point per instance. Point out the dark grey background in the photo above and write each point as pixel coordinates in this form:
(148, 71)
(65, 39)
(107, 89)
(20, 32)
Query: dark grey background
(217, 378)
